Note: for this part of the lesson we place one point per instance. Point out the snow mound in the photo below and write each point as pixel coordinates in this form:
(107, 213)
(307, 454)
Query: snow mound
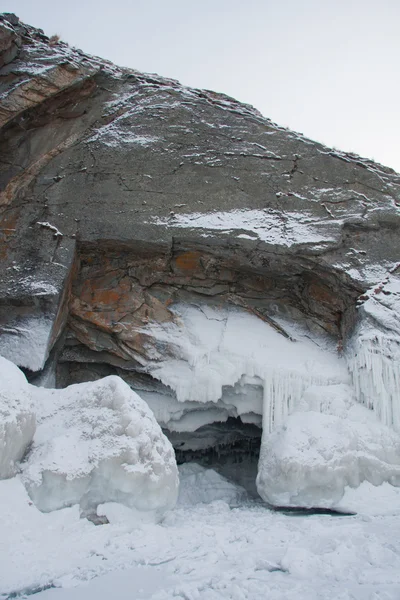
(199, 485)
(17, 419)
(97, 443)
(310, 460)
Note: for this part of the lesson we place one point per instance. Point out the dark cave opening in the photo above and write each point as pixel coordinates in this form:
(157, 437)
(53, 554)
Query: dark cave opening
(231, 448)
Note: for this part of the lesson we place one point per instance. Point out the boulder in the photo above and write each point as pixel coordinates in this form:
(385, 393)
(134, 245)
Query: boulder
(331, 444)
(98, 443)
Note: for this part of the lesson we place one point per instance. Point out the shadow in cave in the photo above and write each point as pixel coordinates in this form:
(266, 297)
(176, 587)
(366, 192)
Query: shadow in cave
(231, 448)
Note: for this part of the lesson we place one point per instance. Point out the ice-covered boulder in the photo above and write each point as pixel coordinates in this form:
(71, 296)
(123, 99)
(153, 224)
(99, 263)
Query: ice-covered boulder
(330, 443)
(99, 442)
(17, 419)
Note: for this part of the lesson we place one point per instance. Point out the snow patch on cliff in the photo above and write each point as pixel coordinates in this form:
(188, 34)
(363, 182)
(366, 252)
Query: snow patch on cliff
(115, 134)
(267, 225)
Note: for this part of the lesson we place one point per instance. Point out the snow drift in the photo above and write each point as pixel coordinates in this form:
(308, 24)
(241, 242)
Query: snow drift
(96, 443)
(330, 443)
(17, 419)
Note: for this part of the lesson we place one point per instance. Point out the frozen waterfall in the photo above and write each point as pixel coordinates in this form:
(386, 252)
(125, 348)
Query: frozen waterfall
(375, 367)
(374, 353)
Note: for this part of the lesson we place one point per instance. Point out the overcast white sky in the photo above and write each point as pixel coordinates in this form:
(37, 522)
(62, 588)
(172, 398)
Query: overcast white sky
(327, 68)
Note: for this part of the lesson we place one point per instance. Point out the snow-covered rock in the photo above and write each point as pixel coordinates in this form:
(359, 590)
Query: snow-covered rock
(331, 443)
(17, 419)
(99, 442)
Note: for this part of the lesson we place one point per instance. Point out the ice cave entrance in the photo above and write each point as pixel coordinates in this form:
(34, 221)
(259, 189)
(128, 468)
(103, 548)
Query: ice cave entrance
(231, 448)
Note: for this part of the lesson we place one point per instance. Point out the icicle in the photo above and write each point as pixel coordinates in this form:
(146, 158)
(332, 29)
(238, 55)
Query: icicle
(282, 394)
(374, 363)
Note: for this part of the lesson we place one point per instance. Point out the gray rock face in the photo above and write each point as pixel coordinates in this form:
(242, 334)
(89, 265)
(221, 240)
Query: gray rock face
(122, 193)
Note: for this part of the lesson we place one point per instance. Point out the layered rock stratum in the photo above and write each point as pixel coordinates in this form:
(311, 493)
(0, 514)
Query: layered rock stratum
(125, 195)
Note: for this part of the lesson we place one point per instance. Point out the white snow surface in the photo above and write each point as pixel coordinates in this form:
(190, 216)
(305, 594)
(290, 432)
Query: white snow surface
(218, 347)
(17, 417)
(330, 443)
(203, 551)
(99, 442)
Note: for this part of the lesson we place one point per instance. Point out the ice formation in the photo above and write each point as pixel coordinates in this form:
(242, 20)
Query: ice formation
(330, 443)
(216, 348)
(374, 354)
(375, 366)
(17, 418)
(244, 400)
(99, 442)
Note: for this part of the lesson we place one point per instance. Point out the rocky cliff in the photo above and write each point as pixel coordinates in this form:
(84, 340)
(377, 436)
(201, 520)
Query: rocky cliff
(125, 195)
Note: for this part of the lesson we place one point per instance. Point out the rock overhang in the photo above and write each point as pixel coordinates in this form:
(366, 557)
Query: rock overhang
(221, 203)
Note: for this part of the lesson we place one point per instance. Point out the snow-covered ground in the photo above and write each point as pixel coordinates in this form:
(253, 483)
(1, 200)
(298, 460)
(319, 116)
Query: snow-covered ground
(210, 550)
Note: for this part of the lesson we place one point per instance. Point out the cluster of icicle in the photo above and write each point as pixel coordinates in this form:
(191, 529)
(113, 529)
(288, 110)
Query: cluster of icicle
(282, 394)
(374, 364)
